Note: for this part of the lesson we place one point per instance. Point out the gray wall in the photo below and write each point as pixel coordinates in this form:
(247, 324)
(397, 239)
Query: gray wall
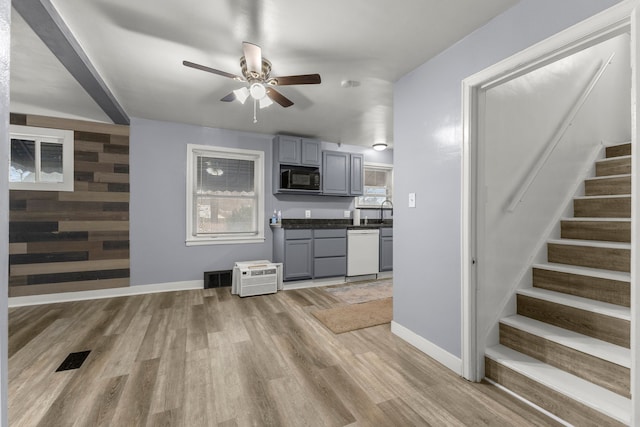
(158, 192)
(427, 155)
(5, 46)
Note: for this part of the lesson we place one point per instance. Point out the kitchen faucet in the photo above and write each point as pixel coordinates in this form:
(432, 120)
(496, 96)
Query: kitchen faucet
(382, 211)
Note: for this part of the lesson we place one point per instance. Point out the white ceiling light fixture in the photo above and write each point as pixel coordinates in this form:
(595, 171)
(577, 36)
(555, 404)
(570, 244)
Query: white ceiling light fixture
(257, 91)
(265, 102)
(380, 146)
(241, 94)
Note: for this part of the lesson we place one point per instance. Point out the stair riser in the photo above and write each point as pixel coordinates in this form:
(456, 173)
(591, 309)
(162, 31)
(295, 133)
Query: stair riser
(610, 329)
(608, 231)
(618, 150)
(607, 186)
(590, 256)
(611, 207)
(611, 291)
(554, 402)
(601, 372)
(613, 167)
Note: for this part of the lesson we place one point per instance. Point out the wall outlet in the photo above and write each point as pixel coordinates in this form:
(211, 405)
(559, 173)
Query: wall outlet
(347, 214)
(412, 200)
(307, 214)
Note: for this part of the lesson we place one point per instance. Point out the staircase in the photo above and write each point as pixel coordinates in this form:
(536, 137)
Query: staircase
(567, 348)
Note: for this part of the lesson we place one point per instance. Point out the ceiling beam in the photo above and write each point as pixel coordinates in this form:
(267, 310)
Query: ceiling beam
(45, 21)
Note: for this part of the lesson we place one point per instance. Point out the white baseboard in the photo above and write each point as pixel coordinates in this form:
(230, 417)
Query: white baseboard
(302, 284)
(427, 347)
(105, 293)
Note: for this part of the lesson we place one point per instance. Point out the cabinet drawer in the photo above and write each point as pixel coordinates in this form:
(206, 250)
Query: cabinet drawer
(332, 247)
(386, 232)
(333, 232)
(292, 234)
(328, 267)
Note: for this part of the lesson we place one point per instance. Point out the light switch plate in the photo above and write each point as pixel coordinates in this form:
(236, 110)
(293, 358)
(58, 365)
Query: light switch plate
(347, 214)
(412, 200)
(307, 214)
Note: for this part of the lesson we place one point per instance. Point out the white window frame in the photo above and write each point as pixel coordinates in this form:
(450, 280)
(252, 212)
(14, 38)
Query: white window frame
(386, 166)
(193, 151)
(47, 135)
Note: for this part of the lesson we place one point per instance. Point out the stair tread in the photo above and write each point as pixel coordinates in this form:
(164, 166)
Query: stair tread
(592, 243)
(621, 276)
(585, 392)
(597, 178)
(608, 159)
(604, 196)
(595, 219)
(609, 144)
(594, 306)
(583, 343)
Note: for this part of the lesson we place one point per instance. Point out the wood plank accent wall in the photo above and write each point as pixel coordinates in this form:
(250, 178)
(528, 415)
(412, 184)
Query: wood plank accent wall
(74, 241)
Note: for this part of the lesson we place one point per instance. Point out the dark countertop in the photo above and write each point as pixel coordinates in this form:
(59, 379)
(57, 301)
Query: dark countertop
(332, 223)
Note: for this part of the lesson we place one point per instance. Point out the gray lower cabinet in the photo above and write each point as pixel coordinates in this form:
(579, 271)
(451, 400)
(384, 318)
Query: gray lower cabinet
(329, 252)
(386, 249)
(294, 249)
(308, 254)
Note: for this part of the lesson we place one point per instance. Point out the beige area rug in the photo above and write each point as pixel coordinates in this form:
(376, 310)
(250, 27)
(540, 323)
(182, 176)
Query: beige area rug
(359, 292)
(356, 316)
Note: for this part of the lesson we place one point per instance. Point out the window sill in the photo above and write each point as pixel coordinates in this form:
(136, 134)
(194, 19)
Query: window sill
(223, 241)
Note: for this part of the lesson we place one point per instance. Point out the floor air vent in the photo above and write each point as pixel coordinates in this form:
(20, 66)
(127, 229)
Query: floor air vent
(217, 279)
(73, 361)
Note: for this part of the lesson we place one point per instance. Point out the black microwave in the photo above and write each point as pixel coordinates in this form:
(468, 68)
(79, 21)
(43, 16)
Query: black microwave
(300, 178)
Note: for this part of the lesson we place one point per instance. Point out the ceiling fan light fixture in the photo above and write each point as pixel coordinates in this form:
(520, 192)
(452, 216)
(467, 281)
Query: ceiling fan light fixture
(258, 91)
(380, 146)
(241, 94)
(265, 102)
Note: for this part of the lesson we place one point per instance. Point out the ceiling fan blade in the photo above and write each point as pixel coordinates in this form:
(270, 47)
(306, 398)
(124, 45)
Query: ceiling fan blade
(229, 98)
(211, 70)
(304, 79)
(253, 57)
(278, 97)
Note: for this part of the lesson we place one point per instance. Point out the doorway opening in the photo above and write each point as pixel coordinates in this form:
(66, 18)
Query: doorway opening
(494, 173)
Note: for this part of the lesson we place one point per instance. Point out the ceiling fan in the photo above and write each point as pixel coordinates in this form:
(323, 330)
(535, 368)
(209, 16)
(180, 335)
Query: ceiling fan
(256, 71)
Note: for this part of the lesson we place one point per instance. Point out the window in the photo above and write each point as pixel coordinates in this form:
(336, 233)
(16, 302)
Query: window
(41, 159)
(225, 195)
(378, 185)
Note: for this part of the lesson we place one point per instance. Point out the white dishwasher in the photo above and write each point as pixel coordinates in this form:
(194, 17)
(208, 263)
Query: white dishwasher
(363, 247)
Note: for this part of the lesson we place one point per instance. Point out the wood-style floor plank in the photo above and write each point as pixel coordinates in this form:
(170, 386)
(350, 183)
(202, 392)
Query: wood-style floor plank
(207, 358)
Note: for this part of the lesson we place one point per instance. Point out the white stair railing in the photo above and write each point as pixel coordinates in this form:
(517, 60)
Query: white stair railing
(557, 137)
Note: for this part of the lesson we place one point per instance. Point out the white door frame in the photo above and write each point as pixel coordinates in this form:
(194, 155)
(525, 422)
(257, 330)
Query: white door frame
(607, 24)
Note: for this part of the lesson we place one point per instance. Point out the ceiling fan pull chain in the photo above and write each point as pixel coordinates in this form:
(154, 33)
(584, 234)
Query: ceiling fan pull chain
(255, 102)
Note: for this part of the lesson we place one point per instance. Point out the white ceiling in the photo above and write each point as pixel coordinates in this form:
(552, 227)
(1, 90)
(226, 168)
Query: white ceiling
(138, 48)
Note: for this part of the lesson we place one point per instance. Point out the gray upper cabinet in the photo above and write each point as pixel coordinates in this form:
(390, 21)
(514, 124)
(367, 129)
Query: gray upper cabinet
(342, 173)
(356, 187)
(335, 173)
(310, 152)
(294, 150)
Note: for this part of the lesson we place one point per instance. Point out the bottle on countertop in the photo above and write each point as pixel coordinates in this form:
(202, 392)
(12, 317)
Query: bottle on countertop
(279, 217)
(274, 218)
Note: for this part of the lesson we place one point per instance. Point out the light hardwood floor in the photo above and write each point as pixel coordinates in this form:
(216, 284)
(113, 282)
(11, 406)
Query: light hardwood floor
(206, 358)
